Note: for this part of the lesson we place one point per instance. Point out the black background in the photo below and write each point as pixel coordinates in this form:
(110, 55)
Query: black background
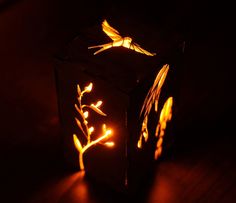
(32, 32)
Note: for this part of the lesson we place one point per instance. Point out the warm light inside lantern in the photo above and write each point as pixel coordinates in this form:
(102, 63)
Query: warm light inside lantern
(88, 88)
(98, 104)
(165, 116)
(86, 114)
(152, 99)
(109, 144)
(82, 123)
(91, 129)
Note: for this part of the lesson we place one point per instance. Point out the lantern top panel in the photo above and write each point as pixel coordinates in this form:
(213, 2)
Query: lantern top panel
(121, 67)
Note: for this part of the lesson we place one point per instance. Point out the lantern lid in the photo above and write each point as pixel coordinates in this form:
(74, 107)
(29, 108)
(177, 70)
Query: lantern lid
(122, 68)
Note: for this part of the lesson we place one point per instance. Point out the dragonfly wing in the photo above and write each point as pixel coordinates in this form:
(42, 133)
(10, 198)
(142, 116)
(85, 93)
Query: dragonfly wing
(139, 49)
(110, 31)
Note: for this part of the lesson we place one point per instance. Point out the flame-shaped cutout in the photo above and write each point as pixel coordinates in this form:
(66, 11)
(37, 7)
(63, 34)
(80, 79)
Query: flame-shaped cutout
(151, 99)
(118, 41)
(87, 131)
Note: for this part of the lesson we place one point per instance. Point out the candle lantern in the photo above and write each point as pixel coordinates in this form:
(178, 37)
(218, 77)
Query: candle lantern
(117, 105)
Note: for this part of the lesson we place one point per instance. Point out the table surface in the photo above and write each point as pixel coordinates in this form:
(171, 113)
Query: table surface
(200, 172)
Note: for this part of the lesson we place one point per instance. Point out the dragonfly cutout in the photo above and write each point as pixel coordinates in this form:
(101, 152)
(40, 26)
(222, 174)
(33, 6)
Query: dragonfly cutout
(118, 41)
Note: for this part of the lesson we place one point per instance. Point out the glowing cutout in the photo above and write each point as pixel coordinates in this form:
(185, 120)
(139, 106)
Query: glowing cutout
(151, 99)
(87, 130)
(118, 41)
(165, 116)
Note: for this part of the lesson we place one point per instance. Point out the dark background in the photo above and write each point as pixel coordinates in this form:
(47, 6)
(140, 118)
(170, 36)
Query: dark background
(32, 32)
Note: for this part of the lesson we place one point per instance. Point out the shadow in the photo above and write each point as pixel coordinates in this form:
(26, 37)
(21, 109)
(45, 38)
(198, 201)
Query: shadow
(5, 4)
(78, 187)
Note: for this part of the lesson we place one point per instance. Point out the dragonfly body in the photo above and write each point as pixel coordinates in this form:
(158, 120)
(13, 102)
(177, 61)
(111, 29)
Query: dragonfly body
(118, 41)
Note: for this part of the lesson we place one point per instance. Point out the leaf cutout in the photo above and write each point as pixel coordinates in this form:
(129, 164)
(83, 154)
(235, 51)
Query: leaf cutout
(78, 89)
(93, 107)
(104, 128)
(79, 111)
(109, 144)
(77, 143)
(156, 105)
(80, 126)
(159, 142)
(157, 130)
(158, 152)
(155, 90)
(140, 143)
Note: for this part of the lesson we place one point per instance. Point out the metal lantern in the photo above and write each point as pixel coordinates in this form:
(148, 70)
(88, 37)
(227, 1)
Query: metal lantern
(117, 106)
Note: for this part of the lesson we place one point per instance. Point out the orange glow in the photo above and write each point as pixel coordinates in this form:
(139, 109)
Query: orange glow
(82, 123)
(88, 88)
(139, 145)
(118, 41)
(158, 152)
(86, 114)
(151, 99)
(165, 116)
(109, 144)
(98, 104)
(91, 129)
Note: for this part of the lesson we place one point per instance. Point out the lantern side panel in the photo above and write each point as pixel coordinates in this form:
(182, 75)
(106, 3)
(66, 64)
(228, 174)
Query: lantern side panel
(103, 163)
